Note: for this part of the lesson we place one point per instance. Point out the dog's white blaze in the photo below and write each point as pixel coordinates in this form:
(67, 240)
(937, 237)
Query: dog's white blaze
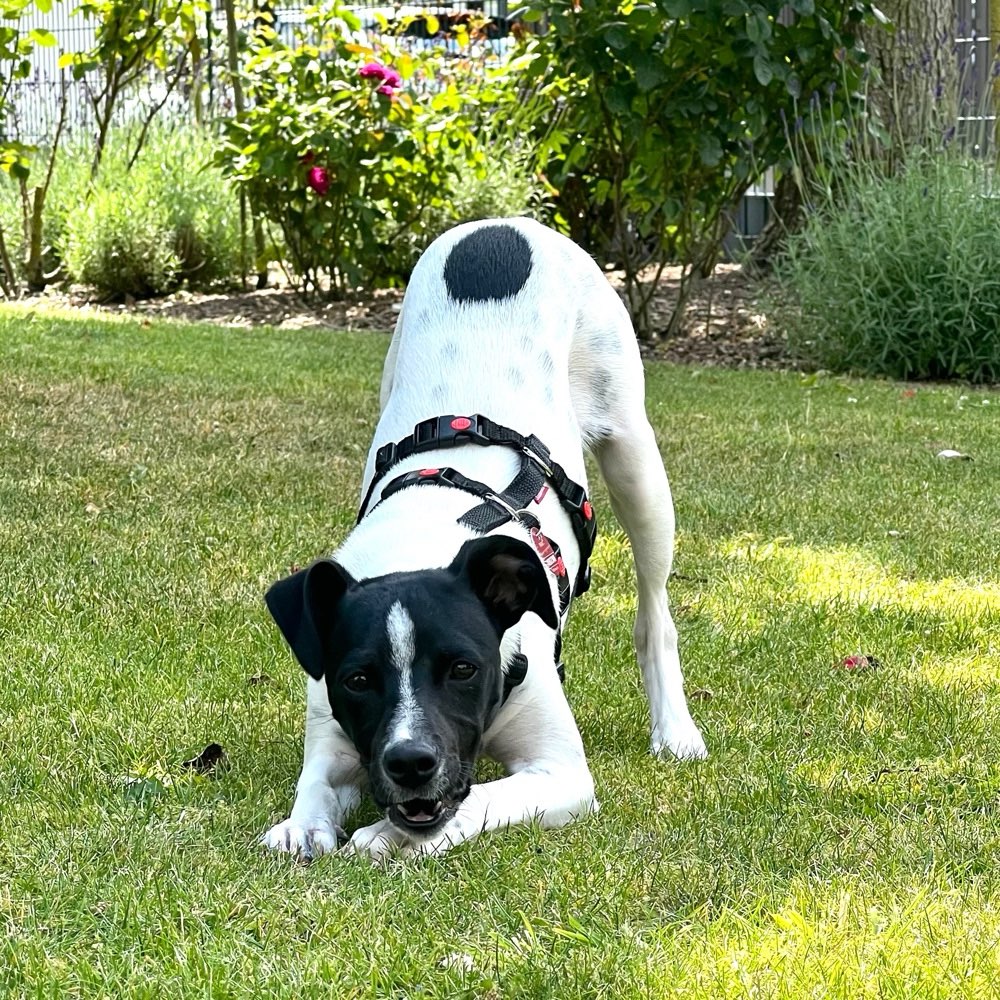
(402, 643)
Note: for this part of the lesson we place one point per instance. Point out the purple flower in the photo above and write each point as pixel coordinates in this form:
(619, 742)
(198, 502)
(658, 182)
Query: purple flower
(386, 91)
(372, 70)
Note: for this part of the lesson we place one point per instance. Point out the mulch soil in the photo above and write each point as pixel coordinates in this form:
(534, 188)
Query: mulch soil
(724, 322)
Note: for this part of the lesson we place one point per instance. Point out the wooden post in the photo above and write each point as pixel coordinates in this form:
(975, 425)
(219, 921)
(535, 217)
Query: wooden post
(232, 38)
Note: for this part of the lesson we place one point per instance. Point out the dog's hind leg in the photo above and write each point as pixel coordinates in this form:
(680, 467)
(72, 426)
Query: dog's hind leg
(327, 790)
(640, 496)
(610, 404)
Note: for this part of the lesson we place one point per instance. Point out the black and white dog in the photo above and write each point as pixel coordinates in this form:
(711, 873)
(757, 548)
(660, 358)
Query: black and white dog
(432, 637)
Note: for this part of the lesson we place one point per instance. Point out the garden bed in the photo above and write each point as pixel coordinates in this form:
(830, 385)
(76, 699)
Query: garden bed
(725, 322)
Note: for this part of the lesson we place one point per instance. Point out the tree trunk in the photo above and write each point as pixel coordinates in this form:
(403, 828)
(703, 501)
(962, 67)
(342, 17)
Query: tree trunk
(913, 90)
(786, 216)
(915, 87)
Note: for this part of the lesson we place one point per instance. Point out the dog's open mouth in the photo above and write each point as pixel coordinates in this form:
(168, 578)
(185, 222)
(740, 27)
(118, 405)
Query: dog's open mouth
(419, 814)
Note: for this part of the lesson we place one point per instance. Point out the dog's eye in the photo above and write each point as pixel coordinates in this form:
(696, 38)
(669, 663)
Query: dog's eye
(462, 671)
(357, 682)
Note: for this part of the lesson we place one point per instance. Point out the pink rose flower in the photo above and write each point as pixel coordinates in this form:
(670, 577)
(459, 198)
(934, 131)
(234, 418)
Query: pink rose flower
(385, 75)
(386, 91)
(318, 178)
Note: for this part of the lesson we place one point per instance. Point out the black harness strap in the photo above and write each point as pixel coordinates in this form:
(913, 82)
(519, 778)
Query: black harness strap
(537, 471)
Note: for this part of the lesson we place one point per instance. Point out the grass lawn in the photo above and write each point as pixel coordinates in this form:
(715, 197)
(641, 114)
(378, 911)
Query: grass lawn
(843, 840)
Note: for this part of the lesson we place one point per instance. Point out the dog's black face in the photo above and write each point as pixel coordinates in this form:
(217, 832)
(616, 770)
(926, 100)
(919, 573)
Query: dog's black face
(412, 664)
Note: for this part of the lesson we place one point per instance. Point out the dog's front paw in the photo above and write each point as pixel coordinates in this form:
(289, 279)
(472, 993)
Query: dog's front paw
(377, 842)
(682, 740)
(306, 840)
(384, 840)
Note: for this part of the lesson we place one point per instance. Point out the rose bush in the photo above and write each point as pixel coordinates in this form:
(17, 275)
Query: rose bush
(349, 148)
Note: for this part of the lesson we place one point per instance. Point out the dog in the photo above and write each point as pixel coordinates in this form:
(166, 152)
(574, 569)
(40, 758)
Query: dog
(432, 635)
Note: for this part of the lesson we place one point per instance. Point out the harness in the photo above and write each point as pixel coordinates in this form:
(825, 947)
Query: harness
(537, 474)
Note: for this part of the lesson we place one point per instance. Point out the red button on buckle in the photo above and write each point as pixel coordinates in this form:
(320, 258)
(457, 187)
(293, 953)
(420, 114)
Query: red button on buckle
(588, 511)
(429, 472)
(461, 424)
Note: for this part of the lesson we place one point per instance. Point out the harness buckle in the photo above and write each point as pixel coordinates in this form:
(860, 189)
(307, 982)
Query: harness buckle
(385, 457)
(447, 430)
(537, 459)
(520, 516)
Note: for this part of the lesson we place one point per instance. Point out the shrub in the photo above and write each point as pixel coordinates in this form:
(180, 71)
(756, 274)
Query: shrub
(673, 108)
(170, 218)
(352, 151)
(899, 276)
(122, 246)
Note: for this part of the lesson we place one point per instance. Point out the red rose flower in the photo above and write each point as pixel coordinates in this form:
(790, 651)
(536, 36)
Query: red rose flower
(318, 178)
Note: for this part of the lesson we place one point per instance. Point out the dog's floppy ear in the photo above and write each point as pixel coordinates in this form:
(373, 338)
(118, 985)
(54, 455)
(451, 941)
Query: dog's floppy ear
(507, 576)
(303, 605)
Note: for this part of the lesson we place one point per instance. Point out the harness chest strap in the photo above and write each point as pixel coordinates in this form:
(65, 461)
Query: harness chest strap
(538, 471)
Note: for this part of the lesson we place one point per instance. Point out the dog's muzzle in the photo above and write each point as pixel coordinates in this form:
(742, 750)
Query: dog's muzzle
(414, 792)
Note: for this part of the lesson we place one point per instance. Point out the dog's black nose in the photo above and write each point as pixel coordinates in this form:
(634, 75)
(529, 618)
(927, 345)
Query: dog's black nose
(410, 763)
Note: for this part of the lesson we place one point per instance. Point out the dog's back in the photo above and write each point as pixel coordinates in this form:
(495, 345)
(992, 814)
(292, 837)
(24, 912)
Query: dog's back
(509, 319)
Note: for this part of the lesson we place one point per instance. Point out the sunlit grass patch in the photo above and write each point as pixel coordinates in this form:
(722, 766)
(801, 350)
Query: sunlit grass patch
(852, 576)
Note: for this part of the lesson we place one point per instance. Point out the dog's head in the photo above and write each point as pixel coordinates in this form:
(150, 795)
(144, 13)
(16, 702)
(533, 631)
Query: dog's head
(412, 664)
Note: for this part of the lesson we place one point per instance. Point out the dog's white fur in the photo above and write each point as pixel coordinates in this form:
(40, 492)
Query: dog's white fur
(489, 357)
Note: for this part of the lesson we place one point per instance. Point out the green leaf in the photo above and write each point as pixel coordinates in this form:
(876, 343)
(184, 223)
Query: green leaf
(709, 149)
(758, 28)
(805, 8)
(677, 9)
(617, 35)
(618, 99)
(762, 69)
(42, 37)
(649, 71)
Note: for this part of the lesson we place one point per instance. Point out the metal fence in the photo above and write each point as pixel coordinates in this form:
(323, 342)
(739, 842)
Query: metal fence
(977, 48)
(37, 101)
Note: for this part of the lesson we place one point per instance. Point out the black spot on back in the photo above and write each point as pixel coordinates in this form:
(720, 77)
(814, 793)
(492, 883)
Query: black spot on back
(492, 262)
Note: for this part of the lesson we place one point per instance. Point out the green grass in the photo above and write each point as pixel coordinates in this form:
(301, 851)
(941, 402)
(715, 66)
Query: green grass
(842, 841)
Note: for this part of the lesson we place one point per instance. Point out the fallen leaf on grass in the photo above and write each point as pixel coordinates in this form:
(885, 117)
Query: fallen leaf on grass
(258, 679)
(700, 694)
(860, 661)
(947, 453)
(207, 760)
